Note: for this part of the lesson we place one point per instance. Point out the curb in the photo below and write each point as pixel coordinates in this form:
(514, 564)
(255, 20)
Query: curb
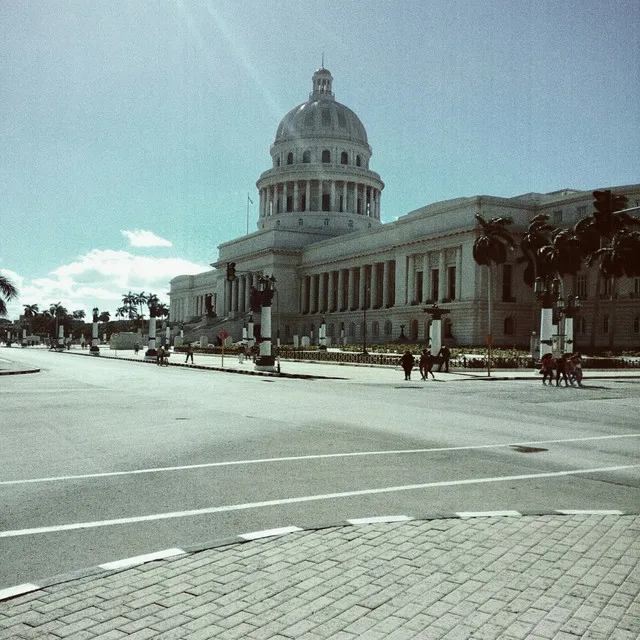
(202, 367)
(118, 566)
(17, 373)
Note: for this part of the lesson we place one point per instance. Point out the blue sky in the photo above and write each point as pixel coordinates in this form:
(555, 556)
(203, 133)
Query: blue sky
(132, 131)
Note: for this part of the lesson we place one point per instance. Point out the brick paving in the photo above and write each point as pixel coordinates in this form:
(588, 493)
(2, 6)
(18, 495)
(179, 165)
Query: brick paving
(553, 577)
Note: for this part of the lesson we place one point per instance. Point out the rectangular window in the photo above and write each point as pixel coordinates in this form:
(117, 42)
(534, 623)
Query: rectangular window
(581, 211)
(451, 283)
(604, 327)
(419, 285)
(435, 284)
(556, 217)
(580, 325)
(507, 283)
(607, 286)
(581, 287)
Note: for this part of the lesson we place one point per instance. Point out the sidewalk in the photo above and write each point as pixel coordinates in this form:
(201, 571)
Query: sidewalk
(349, 371)
(556, 576)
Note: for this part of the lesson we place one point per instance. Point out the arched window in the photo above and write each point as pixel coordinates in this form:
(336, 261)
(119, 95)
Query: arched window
(352, 329)
(375, 329)
(278, 161)
(344, 158)
(326, 156)
(331, 330)
(358, 161)
(509, 326)
(388, 328)
(350, 224)
(300, 222)
(289, 158)
(306, 156)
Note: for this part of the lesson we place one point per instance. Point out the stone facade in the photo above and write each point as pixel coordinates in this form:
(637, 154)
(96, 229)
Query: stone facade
(319, 233)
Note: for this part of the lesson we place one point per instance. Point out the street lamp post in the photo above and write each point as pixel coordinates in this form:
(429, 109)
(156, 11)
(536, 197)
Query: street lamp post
(546, 291)
(265, 292)
(151, 353)
(435, 329)
(322, 334)
(94, 350)
(568, 310)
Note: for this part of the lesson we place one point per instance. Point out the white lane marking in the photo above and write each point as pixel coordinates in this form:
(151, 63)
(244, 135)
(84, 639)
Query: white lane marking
(486, 514)
(319, 456)
(147, 557)
(376, 519)
(590, 512)
(18, 590)
(268, 533)
(327, 496)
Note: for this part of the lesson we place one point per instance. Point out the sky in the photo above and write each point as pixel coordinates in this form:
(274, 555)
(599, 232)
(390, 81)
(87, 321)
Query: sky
(132, 132)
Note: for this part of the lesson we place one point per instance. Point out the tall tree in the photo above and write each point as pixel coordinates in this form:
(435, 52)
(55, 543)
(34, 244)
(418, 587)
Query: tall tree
(491, 246)
(8, 291)
(30, 312)
(597, 231)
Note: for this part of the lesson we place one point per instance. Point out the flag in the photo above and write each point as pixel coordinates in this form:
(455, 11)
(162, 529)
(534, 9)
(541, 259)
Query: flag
(249, 199)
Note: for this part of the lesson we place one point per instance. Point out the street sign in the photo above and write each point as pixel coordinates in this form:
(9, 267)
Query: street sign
(223, 334)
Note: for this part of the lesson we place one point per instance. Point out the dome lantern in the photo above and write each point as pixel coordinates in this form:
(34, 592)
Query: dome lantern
(322, 80)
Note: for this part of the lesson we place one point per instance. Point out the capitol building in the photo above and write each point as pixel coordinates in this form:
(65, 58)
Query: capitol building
(320, 235)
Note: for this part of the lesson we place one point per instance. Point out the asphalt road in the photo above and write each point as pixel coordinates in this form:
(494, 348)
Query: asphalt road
(102, 459)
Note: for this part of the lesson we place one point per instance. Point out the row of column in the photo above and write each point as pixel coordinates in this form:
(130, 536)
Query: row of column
(238, 292)
(385, 284)
(344, 197)
(368, 286)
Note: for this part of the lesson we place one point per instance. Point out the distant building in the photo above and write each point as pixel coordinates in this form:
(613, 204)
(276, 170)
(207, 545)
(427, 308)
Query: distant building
(320, 235)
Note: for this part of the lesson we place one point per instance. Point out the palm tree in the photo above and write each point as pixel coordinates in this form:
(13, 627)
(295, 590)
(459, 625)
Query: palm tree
(30, 312)
(130, 301)
(162, 310)
(619, 259)
(141, 299)
(490, 247)
(533, 240)
(105, 316)
(152, 303)
(79, 314)
(8, 291)
(597, 232)
(58, 312)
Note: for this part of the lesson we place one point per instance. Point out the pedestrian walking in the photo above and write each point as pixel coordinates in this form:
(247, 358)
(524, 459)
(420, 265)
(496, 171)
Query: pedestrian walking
(576, 361)
(426, 364)
(546, 368)
(561, 370)
(136, 348)
(189, 354)
(406, 362)
(241, 353)
(445, 354)
(160, 356)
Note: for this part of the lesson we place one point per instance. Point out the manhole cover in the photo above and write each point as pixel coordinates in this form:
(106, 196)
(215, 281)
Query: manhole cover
(523, 449)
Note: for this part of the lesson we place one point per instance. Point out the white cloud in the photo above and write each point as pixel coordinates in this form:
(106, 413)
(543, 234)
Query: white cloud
(99, 278)
(143, 238)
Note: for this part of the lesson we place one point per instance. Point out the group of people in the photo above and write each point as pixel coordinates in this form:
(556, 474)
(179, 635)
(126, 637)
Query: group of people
(162, 357)
(425, 363)
(566, 367)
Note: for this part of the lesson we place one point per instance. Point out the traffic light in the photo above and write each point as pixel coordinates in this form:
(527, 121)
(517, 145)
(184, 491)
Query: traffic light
(231, 271)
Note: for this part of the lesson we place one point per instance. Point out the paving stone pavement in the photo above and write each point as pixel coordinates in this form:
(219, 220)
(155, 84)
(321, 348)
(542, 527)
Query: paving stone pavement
(548, 577)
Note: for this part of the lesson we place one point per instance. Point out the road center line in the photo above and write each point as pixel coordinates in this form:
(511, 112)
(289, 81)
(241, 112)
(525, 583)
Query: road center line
(327, 496)
(319, 456)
